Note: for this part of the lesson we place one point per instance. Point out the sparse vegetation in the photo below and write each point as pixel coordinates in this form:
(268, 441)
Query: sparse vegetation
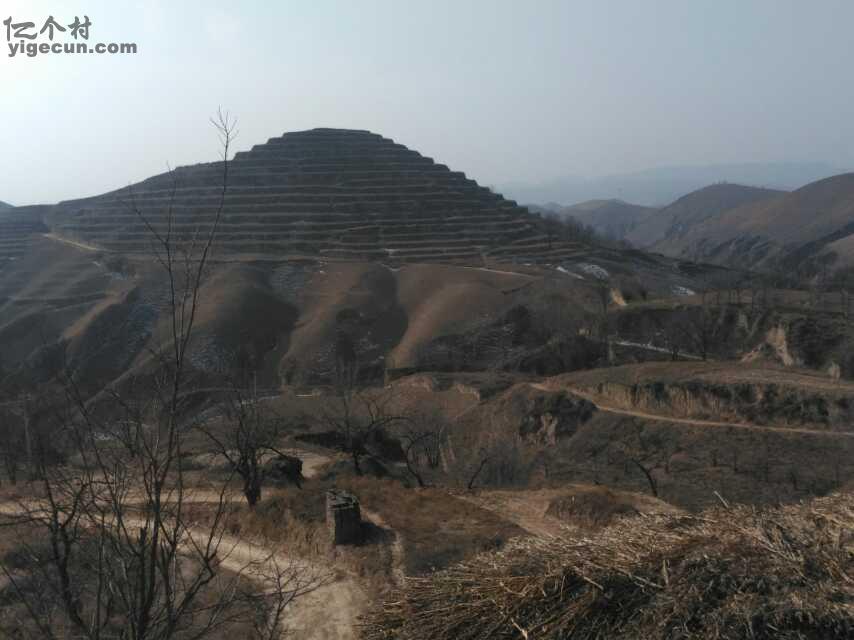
(729, 572)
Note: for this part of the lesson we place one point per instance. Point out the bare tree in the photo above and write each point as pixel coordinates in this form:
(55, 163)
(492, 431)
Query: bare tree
(699, 326)
(249, 436)
(483, 458)
(422, 437)
(121, 557)
(359, 415)
(645, 450)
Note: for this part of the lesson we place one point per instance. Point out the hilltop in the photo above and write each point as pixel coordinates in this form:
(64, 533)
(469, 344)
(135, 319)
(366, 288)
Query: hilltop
(611, 218)
(679, 217)
(335, 193)
(511, 379)
(809, 225)
(4, 205)
(322, 231)
(659, 186)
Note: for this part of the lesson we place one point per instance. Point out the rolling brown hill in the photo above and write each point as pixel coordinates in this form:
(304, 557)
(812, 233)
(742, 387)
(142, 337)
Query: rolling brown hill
(612, 218)
(674, 220)
(322, 232)
(789, 230)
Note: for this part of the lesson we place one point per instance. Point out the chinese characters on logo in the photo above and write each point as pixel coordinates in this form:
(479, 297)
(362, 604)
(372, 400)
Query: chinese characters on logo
(26, 38)
(27, 30)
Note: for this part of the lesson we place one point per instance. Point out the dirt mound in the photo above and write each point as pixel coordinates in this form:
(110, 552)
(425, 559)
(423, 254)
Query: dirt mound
(596, 506)
(726, 573)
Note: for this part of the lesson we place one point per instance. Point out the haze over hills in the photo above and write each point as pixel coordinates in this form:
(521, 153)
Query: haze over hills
(579, 365)
(807, 224)
(682, 215)
(325, 385)
(739, 226)
(643, 227)
(611, 218)
(660, 186)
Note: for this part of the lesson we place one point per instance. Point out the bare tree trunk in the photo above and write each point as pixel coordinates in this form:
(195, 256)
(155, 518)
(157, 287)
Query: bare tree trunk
(476, 473)
(653, 485)
(124, 559)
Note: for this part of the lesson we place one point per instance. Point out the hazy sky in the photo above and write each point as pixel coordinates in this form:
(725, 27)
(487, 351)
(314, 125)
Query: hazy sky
(505, 91)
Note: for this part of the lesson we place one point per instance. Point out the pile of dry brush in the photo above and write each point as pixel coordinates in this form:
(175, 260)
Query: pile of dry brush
(726, 573)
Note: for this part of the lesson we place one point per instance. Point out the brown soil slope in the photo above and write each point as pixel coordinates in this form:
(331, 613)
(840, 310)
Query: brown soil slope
(673, 221)
(799, 225)
(736, 393)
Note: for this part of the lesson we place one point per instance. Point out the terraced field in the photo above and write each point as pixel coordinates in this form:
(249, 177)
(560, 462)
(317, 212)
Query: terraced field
(330, 192)
(17, 232)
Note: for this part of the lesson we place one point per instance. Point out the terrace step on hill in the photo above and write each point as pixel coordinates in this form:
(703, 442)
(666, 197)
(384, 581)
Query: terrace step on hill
(335, 193)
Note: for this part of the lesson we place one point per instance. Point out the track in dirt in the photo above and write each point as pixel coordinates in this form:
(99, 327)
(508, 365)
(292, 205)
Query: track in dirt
(328, 604)
(687, 421)
(525, 509)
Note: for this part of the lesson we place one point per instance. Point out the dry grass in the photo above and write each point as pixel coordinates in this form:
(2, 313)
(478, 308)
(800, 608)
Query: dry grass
(435, 528)
(727, 573)
(24, 548)
(593, 507)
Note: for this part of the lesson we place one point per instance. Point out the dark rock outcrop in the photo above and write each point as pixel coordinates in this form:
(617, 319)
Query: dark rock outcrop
(554, 416)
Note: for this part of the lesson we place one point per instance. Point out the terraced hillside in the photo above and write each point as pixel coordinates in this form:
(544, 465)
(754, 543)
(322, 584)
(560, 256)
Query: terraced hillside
(331, 192)
(18, 228)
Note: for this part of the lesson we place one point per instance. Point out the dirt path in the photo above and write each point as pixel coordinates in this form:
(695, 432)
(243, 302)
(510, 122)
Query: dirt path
(649, 347)
(524, 508)
(689, 421)
(328, 604)
(397, 556)
(78, 245)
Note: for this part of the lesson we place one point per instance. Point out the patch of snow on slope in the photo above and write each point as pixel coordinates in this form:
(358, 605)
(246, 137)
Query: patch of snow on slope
(594, 270)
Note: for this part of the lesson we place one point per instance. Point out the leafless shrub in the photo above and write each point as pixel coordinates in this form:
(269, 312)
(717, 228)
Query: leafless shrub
(123, 559)
(249, 436)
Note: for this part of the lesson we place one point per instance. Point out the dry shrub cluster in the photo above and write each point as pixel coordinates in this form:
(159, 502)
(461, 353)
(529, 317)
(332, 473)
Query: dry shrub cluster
(435, 529)
(736, 572)
(593, 507)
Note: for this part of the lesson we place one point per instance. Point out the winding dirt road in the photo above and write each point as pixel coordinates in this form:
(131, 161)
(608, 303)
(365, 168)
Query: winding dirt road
(688, 421)
(327, 604)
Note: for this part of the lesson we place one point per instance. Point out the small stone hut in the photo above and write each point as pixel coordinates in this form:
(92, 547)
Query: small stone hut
(343, 517)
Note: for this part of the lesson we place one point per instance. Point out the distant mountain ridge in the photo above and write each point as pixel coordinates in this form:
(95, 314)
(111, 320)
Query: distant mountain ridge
(661, 186)
(612, 218)
(813, 224)
(802, 231)
(680, 217)
(5, 205)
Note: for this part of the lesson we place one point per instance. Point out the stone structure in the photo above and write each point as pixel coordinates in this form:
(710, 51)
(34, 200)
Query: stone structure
(343, 517)
(334, 193)
(285, 468)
